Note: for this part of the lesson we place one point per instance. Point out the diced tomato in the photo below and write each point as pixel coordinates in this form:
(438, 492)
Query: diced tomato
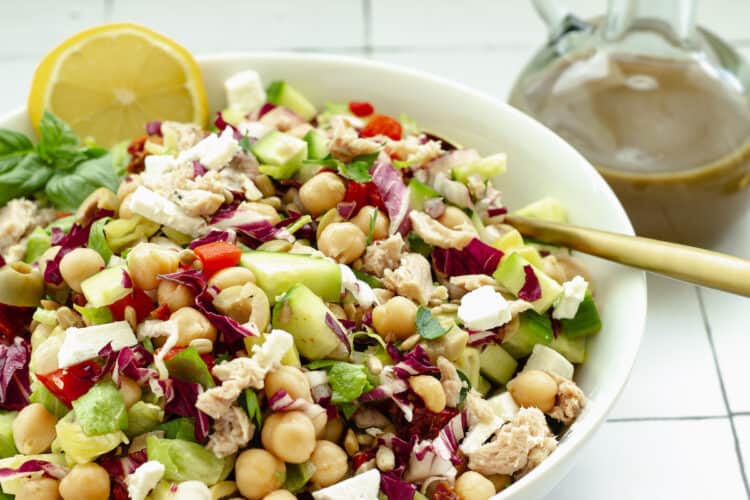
(162, 312)
(69, 384)
(218, 255)
(444, 491)
(14, 321)
(362, 457)
(382, 125)
(138, 300)
(363, 194)
(361, 108)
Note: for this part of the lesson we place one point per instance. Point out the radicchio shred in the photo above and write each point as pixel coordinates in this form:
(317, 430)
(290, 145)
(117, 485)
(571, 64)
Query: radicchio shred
(475, 258)
(531, 289)
(14, 374)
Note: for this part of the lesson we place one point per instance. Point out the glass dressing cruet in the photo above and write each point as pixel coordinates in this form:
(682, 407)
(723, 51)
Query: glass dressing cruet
(660, 106)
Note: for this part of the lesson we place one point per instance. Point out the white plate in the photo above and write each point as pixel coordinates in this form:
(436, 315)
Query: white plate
(540, 164)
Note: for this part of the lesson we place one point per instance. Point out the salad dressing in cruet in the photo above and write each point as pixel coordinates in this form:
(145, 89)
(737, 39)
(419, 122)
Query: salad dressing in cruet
(660, 107)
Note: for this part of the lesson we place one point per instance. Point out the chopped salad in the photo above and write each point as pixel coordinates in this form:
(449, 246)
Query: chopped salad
(295, 303)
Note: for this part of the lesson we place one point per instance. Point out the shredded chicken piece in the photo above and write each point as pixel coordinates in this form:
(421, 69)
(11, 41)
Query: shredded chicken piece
(477, 186)
(197, 202)
(450, 381)
(383, 254)
(346, 143)
(479, 409)
(518, 447)
(470, 282)
(17, 219)
(436, 234)
(231, 432)
(188, 134)
(236, 375)
(281, 119)
(412, 279)
(414, 151)
(569, 402)
(300, 130)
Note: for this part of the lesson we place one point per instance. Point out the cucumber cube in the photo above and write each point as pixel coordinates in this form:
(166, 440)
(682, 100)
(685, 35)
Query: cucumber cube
(586, 321)
(105, 287)
(281, 93)
(280, 154)
(533, 329)
(511, 275)
(496, 364)
(574, 349)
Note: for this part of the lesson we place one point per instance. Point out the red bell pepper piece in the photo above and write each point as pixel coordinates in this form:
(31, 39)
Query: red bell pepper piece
(361, 108)
(69, 384)
(138, 300)
(218, 255)
(363, 194)
(382, 125)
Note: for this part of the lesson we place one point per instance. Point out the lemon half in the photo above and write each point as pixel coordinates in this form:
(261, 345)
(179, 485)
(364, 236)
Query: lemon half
(107, 82)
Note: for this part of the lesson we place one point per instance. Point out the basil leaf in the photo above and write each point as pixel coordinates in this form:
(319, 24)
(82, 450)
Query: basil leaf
(12, 144)
(98, 240)
(57, 140)
(253, 407)
(21, 176)
(348, 382)
(359, 169)
(427, 326)
(67, 190)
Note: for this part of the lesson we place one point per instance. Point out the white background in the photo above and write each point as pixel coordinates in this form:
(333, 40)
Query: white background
(682, 428)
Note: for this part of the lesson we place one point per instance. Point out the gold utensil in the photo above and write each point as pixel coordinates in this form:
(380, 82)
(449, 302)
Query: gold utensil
(694, 265)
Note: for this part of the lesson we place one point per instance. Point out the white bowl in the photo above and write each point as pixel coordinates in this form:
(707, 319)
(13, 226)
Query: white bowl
(540, 164)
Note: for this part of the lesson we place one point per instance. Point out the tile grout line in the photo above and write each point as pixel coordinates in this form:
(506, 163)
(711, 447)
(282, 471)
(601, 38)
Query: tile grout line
(367, 26)
(690, 418)
(709, 335)
(109, 9)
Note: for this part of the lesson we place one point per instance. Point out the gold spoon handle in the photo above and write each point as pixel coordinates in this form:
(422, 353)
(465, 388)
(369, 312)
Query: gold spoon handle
(695, 265)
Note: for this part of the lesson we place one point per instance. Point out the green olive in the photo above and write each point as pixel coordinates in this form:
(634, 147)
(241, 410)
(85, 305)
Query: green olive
(20, 285)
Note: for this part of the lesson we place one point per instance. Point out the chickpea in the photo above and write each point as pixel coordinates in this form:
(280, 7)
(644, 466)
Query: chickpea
(174, 295)
(44, 357)
(473, 486)
(364, 217)
(125, 212)
(455, 218)
(80, 264)
(258, 473)
(34, 429)
(231, 276)
(319, 422)
(126, 188)
(331, 463)
(43, 488)
(191, 325)
(85, 482)
(333, 430)
(266, 211)
(147, 260)
(289, 379)
(430, 390)
(500, 481)
(131, 392)
(245, 303)
(534, 388)
(20, 285)
(290, 436)
(342, 241)
(101, 198)
(396, 319)
(280, 495)
(322, 192)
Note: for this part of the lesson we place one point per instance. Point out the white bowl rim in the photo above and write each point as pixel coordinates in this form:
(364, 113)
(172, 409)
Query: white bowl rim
(569, 446)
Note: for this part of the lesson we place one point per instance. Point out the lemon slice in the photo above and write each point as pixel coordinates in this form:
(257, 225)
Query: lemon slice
(107, 82)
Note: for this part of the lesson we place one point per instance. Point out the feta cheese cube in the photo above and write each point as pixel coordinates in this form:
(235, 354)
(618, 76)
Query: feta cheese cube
(566, 305)
(479, 433)
(547, 359)
(192, 490)
(268, 355)
(484, 309)
(253, 129)
(363, 486)
(361, 291)
(157, 208)
(220, 151)
(504, 406)
(144, 479)
(245, 91)
(81, 344)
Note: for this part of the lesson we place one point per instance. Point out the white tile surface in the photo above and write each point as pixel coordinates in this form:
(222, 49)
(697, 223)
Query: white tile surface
(727, 316)
(674, 374)
(250, 25)
(742, 426)
(492, 71)
(673, 460)
(34, 27)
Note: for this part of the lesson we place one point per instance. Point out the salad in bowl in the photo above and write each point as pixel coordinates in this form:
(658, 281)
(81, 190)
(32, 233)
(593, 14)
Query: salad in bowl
(294, 302)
